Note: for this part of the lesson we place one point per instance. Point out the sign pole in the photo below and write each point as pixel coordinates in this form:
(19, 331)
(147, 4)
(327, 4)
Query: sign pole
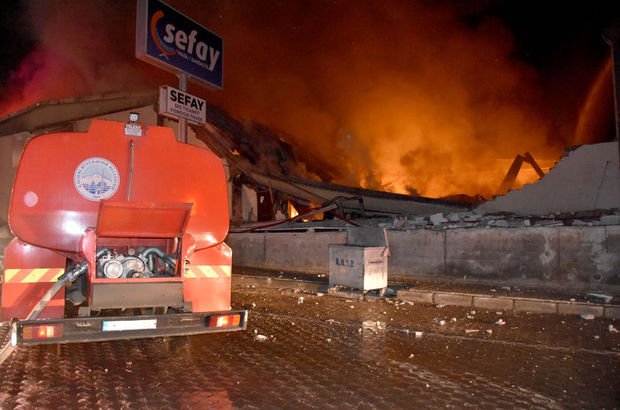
(183, 121)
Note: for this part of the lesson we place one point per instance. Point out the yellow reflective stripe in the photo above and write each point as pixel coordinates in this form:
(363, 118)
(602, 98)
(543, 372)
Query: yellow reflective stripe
(9, 274)
(33, 275)
(208, 271)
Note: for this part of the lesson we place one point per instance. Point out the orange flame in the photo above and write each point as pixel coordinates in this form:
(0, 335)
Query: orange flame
(397, 96)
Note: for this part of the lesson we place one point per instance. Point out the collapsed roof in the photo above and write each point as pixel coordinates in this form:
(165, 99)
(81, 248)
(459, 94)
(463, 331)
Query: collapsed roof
(587, 178)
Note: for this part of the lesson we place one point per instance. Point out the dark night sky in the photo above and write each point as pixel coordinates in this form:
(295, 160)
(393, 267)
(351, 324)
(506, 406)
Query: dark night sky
(555, 37)
(547, 34)
(487, 78)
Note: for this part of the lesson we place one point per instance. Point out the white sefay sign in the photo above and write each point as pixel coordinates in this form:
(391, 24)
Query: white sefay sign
(176, 103)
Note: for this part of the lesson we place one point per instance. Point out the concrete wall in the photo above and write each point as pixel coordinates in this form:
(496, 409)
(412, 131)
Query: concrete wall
(296, 252)
(552, 255)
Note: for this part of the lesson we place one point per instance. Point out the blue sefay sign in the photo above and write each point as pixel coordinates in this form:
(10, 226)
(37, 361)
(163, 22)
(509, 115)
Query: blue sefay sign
(174, 42)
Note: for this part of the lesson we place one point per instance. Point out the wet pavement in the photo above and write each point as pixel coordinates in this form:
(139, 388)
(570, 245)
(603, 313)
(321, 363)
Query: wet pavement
(304, 350)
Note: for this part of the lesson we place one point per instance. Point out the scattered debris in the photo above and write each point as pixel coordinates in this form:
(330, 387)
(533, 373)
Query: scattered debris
(332, 321)
(612, 329)
(329, 340)
(411, 356)
(319, 294)
(453, 220)
(500, 223)
(500, 322)
(442, 322)
(300, 300)
(438, 219)
(598, 298)
(260, 338)
(468, 331)
(440, 306)
(489, 331)
(389, 292)
(399, 222)
(587, 316)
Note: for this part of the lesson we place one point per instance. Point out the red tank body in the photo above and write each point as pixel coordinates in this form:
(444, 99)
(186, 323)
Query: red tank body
(139, 219)
(49, 211)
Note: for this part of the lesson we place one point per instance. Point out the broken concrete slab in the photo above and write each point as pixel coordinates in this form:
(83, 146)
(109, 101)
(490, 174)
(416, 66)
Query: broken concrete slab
(453, 217)
(438, 219)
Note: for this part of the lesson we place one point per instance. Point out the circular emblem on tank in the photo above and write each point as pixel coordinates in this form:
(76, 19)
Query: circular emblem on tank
(96, 178)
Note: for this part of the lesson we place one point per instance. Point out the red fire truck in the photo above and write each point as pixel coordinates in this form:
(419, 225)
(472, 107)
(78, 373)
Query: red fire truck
(119, 233)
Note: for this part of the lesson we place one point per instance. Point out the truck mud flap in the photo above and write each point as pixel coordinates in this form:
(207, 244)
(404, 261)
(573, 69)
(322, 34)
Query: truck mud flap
(94, 329)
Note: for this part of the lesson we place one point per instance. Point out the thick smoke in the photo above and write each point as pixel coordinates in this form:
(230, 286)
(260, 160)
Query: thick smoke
(396, 95)
(402, 95)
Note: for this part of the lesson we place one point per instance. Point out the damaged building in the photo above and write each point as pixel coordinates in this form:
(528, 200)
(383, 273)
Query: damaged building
(563, 230)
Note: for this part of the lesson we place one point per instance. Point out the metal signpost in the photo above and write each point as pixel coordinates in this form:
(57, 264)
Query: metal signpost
(172, 41)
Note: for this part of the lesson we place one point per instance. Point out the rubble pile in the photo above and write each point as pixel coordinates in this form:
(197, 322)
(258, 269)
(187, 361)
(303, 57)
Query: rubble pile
(460, 220)
(463, 220)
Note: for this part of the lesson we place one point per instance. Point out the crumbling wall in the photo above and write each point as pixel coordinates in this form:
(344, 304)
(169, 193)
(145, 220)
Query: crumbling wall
(587, 178)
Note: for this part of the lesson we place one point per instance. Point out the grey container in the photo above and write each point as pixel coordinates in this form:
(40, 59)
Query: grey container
(363, 262)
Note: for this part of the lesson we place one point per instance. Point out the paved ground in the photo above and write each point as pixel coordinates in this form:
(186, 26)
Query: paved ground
(328, 352)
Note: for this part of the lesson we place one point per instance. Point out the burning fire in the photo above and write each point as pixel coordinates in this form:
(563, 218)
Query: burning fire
(403, 97)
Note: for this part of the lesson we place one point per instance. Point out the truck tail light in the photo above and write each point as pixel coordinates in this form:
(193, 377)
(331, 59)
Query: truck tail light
(31, 332)
(224, 321)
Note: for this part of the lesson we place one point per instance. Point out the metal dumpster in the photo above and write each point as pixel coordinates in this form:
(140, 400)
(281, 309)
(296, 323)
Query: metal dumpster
(362, 263)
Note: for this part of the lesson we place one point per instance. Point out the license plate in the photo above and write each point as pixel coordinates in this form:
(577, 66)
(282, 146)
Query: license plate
(119, 325)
